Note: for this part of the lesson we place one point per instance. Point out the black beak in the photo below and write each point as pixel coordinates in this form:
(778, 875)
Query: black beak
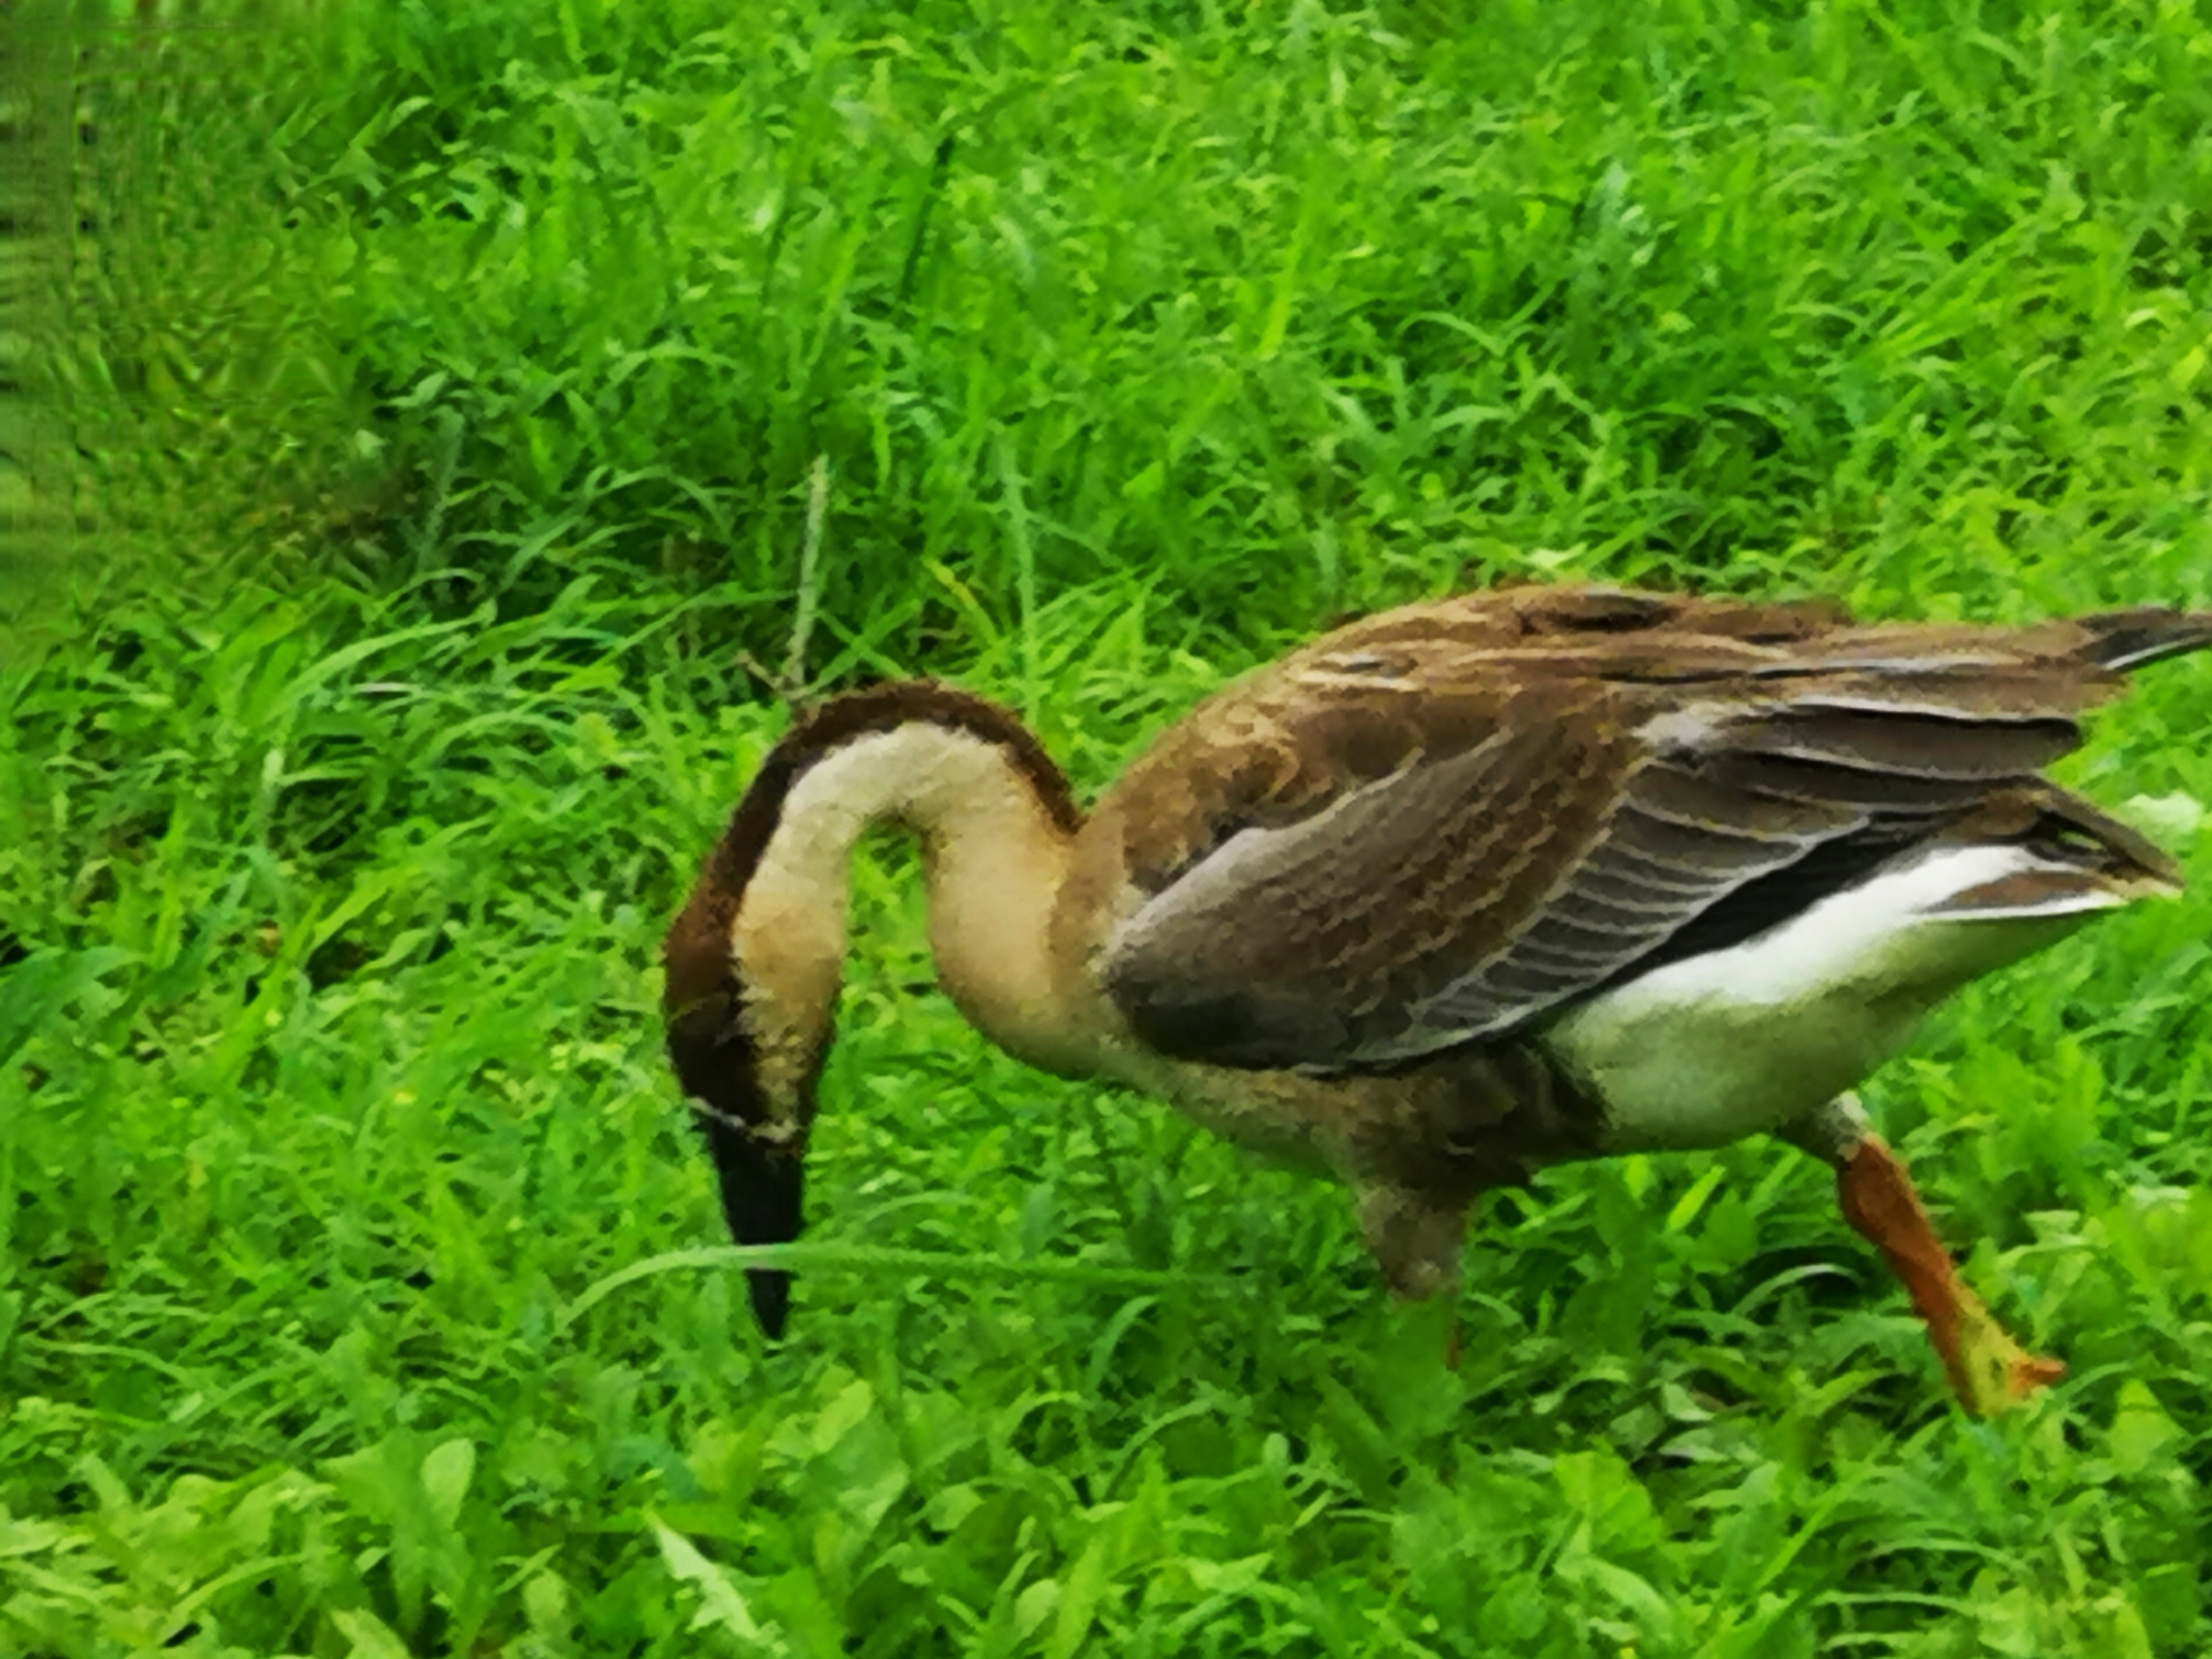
(762, 1189)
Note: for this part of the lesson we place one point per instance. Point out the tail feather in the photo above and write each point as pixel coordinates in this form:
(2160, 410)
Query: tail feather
(2122, 640)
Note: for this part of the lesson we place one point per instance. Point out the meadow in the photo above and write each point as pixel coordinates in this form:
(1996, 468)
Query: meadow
(447, 388)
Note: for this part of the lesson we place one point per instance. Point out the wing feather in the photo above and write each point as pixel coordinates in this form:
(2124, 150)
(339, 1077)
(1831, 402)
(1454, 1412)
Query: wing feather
(1431, 829)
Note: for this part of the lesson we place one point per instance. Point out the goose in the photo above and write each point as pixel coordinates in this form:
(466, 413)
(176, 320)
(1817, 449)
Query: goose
(1452, 893)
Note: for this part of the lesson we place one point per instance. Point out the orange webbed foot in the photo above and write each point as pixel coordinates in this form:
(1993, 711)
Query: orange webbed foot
(1989, 1371)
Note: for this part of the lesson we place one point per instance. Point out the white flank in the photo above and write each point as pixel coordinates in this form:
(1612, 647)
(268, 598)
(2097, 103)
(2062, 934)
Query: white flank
(1717, 1047)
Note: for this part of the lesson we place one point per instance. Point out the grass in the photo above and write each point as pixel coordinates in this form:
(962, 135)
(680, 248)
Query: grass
(359, 1294)
(1299, 309)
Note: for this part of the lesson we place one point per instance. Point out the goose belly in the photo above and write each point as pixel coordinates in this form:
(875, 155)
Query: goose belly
(1707, 1050)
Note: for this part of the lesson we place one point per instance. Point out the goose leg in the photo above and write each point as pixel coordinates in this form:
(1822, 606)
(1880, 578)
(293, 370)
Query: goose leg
(1415, 1237)
(1989, 1371)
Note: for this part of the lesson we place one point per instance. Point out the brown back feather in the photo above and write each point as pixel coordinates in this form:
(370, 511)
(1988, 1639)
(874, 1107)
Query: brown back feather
(1430, 826)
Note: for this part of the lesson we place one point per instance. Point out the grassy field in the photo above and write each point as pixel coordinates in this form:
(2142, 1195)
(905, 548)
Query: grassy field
(447, 382)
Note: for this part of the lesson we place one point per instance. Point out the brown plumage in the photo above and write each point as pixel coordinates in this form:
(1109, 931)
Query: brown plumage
(1453, 892)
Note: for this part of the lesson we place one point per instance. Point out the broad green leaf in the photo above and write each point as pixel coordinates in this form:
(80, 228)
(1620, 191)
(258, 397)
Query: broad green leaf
(447, 1469)
(2140, 1430)
(369, 1636)
(721, 1604)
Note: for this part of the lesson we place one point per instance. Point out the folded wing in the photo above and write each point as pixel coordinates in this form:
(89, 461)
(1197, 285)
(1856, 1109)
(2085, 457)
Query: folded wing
(1404, 843)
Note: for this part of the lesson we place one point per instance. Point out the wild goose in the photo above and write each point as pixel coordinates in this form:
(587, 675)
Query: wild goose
(1453, 892)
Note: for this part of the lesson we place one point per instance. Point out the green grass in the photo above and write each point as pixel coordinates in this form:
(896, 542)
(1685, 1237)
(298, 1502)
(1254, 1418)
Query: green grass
(359, 1295)
(1288, 309)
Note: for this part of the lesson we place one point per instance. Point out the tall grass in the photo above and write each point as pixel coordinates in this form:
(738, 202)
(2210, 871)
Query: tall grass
(454, 380)
(1294, 309)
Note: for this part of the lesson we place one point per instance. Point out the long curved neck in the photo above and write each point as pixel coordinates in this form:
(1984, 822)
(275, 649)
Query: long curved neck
(994, 854)
(755, 957)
